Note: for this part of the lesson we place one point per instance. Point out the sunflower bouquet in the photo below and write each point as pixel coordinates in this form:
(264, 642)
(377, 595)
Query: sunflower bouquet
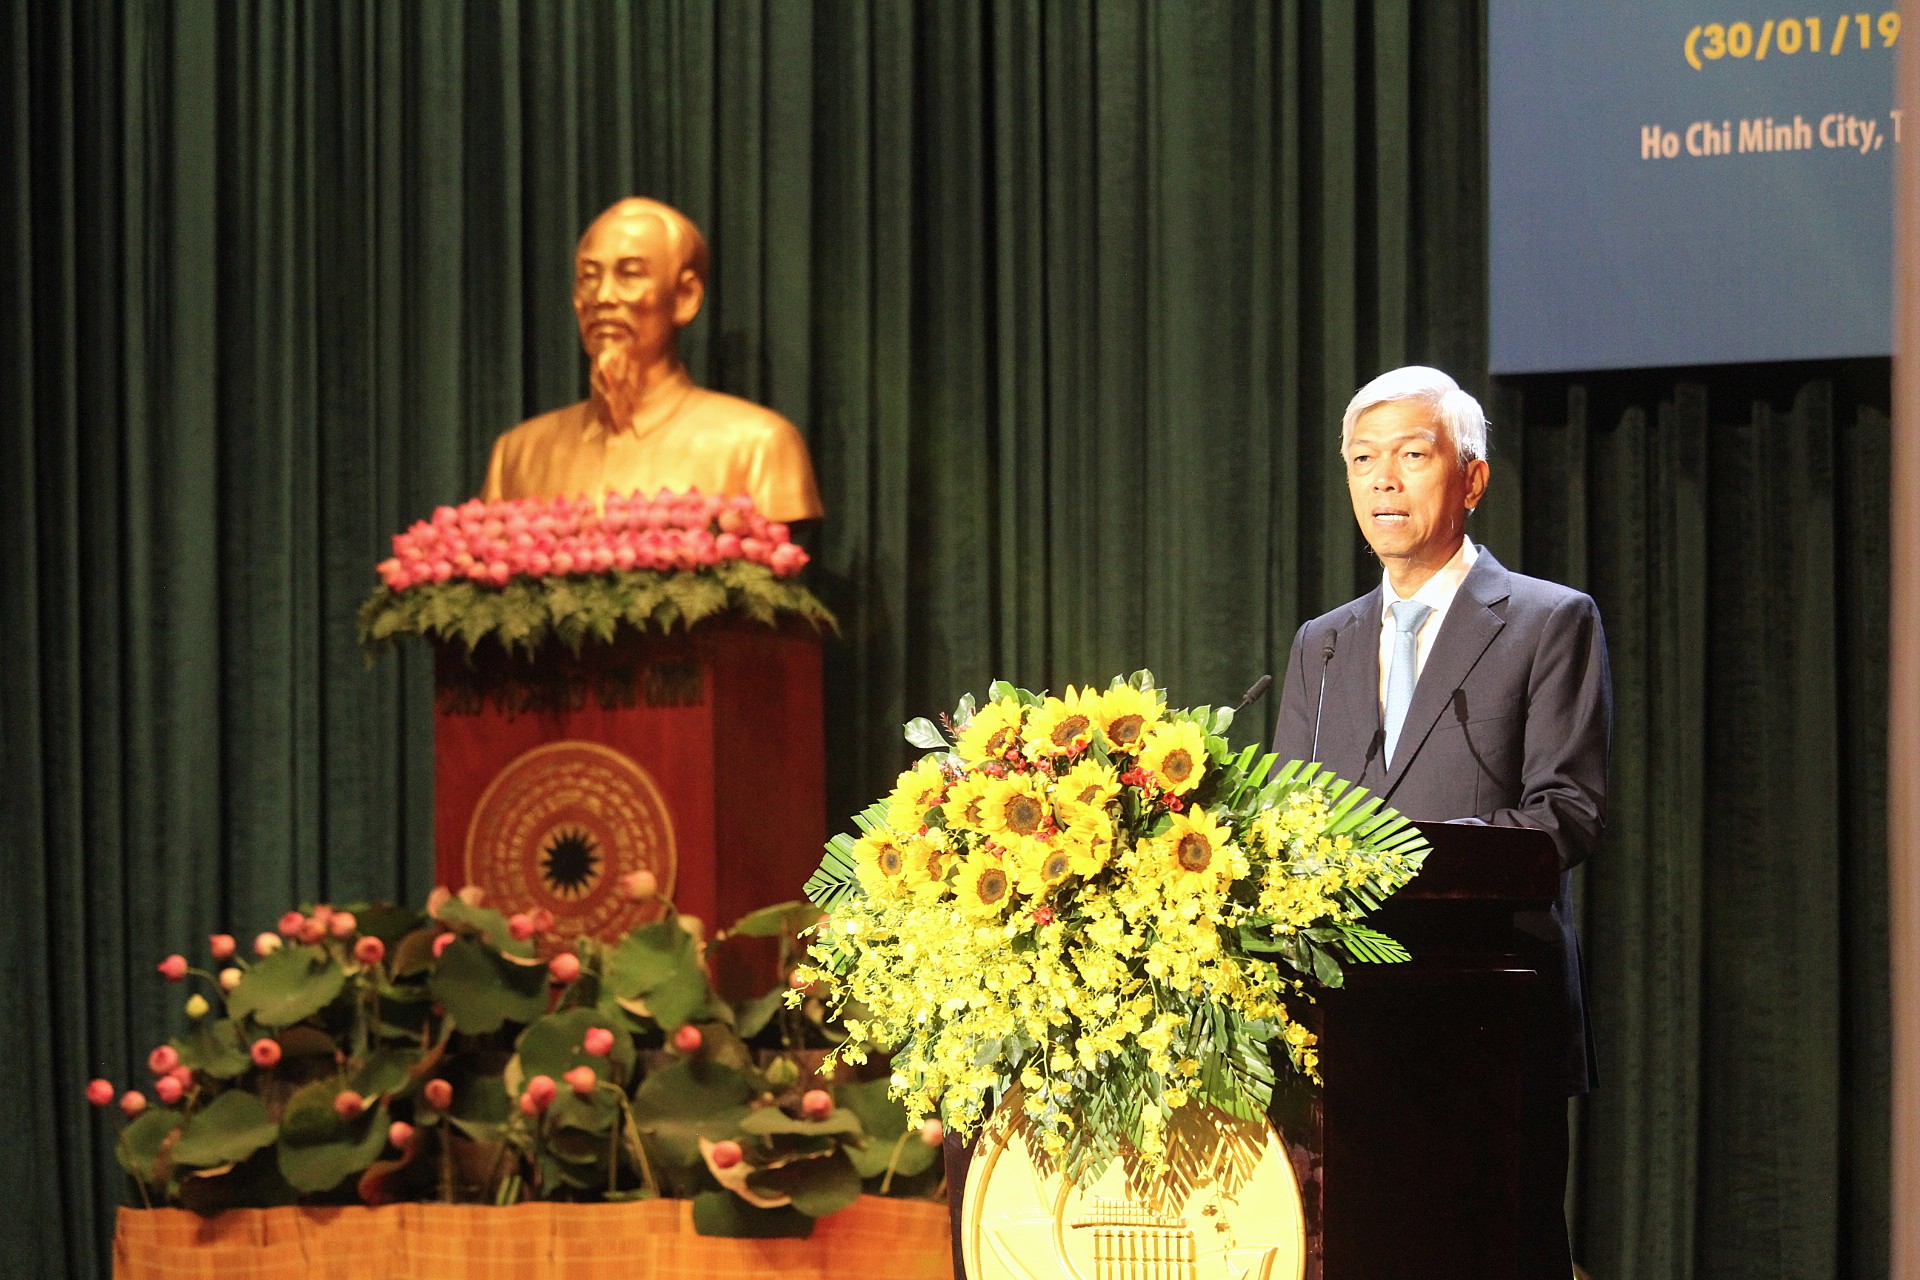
(1079, 901)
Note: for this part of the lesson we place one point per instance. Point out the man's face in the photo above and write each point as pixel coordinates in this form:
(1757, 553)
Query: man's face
(629, 289)
(1410, 493)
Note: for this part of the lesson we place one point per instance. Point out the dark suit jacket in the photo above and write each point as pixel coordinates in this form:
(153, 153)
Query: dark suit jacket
(1510, 723)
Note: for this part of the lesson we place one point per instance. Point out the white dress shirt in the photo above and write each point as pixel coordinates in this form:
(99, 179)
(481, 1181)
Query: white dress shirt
(1437, 594)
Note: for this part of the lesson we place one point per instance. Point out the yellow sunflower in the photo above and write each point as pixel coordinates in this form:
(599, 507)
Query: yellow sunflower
(920, 788)
(993, 729)
(1060, 726)
(1014, 811)
(926, 861)
(1193, 855)
(983, 887)
(1041, 865)
(1175, 755)
(881, 862)
(1126, 716)
(1088, 842)
(1088, 785)
(962, 806)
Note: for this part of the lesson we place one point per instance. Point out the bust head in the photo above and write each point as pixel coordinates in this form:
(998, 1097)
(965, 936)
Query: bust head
(639, 277)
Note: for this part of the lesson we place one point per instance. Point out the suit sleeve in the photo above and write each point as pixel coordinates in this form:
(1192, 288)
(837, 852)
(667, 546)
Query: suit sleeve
(1568, 735)
(1293, 731)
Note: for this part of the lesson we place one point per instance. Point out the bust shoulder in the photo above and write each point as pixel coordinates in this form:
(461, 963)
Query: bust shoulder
(746, 421)
(538, 431)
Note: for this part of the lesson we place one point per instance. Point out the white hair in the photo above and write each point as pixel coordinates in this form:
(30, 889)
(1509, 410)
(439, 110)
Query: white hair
(1465, 421)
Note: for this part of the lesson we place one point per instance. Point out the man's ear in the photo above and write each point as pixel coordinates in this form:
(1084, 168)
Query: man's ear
(688, 294)
(1477, 474)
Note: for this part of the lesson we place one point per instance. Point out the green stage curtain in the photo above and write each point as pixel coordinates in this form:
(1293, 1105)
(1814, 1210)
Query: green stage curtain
(1733, 529)
(1066, 298)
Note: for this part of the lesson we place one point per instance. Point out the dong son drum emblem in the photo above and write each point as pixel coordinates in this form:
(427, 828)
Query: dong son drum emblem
(560, 825)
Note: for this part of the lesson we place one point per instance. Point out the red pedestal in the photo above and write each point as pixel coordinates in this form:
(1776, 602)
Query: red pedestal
(699, 756)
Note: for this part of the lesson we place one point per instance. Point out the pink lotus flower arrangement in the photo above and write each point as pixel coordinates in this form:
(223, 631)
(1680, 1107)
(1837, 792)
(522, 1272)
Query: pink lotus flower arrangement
(493, 543)
(523, 573)
(463, 1053)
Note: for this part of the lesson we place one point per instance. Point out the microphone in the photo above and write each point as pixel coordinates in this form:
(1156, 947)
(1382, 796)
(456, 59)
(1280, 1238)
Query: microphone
(1326, 658)
(1253, 695)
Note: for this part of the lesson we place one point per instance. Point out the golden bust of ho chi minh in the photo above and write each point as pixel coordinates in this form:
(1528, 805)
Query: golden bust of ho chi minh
(639, 278)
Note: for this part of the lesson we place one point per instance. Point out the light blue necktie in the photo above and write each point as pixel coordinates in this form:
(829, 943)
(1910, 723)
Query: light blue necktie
(1407, 616)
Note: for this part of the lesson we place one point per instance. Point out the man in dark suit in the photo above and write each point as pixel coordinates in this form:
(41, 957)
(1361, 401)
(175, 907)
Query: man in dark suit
(1458, 690)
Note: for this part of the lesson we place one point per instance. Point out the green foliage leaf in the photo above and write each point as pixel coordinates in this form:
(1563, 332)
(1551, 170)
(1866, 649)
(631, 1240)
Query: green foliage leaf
(482, 991)
(319, 1151)
(819, 1186)
(687, 1100)
(923, 733)
(555, 1044)
(722, 1213)
(289, 986)
(384, 1071)
(214, 1047)
(771, 1120)
(231, 1128)
(781, 918)
(139, 1147)
(888, 1139)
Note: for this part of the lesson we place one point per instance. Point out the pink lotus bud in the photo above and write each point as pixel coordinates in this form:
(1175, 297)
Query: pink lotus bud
(439, 898)
(641, 885)
(563, 562)
(342, 924)
(312, 929)
(688, 1039)
(322, 913)
(602, 559)
(132, 1103)
(624, 556)
(726, 1153)
(542, 920)
(183, 1074)
(265, 1052)
(438, 1094)
(539, 1095)
(728, 545)
(473, 895)
(732, 522)
(441, 943)
(168, 1089)
(400, 1134)
(582, 1080)
(173, 968)
(787, 558)
(442, 570)
(564, 967)
(266, 944)
(499, 572)
(369, 951)
(349, 1105)
(291, 923)
(816, 1104)
(163, 1059)
(230, 978)
(933, 1133)
(540, 563)
(222, 946)
(754, 549)
(520, 925)
(778, 533)
(99, 1092)
(598, 1042)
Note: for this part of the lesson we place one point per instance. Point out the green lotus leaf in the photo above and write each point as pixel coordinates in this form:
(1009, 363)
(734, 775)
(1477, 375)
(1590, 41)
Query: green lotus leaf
(772, 1120)
(215, 1048)
(888, 1139)
(819, 1186)
(555, 1044)
(688, 1100)
(321, 1151)
(292, 984)
(649, 956)
(722, 1213)
(139, 1147)
(782, 917)
(231, 1128)
(482, 991)
(384, 1071)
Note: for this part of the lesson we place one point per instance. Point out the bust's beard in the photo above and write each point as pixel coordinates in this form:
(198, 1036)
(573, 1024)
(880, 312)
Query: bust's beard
(616, 377)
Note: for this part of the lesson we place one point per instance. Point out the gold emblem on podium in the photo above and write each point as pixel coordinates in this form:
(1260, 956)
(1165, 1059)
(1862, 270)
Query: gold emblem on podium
(1227, 1208)
(560, 825)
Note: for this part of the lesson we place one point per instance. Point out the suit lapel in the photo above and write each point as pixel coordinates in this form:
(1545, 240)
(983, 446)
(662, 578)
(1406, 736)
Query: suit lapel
(1350, 730)
(1469, 627)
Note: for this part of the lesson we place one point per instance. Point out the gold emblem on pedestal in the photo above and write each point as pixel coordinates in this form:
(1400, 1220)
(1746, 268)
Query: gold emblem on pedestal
(560, 825)
(1226, 1208)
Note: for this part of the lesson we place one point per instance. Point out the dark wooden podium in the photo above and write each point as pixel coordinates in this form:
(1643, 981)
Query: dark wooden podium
(1409, 1156)
(699, 756)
